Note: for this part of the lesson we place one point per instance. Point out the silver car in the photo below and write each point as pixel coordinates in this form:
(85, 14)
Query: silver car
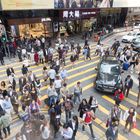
(136, 44)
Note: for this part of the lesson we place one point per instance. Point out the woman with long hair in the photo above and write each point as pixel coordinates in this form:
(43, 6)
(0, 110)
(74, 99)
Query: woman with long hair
(83, 105)
(93, 103)
(74, 125)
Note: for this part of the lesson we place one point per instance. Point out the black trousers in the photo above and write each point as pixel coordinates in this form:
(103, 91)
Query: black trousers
(2, 62)
(7, 129)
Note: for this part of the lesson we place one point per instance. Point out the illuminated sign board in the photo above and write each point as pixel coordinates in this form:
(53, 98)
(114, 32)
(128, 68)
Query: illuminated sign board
(27, 4)
(73, 4)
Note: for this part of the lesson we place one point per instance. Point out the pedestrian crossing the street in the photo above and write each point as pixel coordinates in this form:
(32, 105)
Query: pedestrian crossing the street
(83, 71)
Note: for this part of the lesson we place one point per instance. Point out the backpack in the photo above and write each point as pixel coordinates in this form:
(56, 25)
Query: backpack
(88, 118)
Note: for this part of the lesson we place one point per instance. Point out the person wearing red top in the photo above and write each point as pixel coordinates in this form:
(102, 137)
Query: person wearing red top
(118, 96)
(36, 58)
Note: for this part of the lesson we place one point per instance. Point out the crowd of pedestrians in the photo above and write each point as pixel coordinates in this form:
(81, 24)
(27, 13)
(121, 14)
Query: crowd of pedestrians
(26, 103)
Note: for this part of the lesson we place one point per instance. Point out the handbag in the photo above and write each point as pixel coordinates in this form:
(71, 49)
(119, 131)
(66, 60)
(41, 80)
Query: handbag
(134, 125)
(107, 122)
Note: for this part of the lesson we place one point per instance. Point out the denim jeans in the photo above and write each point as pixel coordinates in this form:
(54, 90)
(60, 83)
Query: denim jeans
(68, 115)
(91, 130)
(77, 97)
(52, 100)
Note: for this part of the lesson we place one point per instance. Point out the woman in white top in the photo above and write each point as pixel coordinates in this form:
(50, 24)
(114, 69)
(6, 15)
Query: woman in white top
(93, 103)
(45, 132)
(58, 84)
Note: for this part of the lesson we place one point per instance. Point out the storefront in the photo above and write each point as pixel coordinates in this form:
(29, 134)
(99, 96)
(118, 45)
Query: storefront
(79, 20)
(112, 16)
(30, 22)
(32, 26)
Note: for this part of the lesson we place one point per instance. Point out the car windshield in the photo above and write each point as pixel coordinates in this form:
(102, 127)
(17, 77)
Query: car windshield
(137, 40)
(109, 73)
(131, 34)
(110, 69)
(137, 24)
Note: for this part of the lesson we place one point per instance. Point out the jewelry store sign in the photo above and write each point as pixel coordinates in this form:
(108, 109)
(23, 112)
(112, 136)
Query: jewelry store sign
(78, 14)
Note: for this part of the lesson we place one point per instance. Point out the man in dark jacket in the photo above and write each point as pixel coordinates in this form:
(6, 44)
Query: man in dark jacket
(112, 133)
(9, 71)
(19, 53)
(22, 83)
(1, 58)
(128, 85)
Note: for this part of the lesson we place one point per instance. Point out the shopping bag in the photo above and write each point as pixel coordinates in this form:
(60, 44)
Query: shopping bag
(39, 102)
(107, 123)
(134, 125)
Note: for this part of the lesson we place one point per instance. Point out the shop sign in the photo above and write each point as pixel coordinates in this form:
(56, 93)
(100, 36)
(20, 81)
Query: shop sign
(78, 14)
(71, 14)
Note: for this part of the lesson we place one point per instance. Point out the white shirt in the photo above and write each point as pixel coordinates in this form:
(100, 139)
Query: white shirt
(41, 55)
(32, 77)
(57, 63)
(52, 73)
(1, 103)
(61, 46)
(23, 51)
(67, 134)
(98, 47)
(122, 57)
(45, 133)
(51, 50)
(43, 40)
(57, 83)
(128, 52)
(38, 43)
(73, 125)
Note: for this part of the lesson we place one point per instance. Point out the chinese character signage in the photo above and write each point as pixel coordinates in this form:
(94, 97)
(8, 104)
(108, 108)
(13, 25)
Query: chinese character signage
(74, 14)
(27, 4)
(73, 4)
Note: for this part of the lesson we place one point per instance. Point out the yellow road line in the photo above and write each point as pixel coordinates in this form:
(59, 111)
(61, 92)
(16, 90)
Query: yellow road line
(104, 110)
(80, 73)
(133, 93)
(18, 63)
(121, 106)
(98, 121)
(40, 69)
(131, 101)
